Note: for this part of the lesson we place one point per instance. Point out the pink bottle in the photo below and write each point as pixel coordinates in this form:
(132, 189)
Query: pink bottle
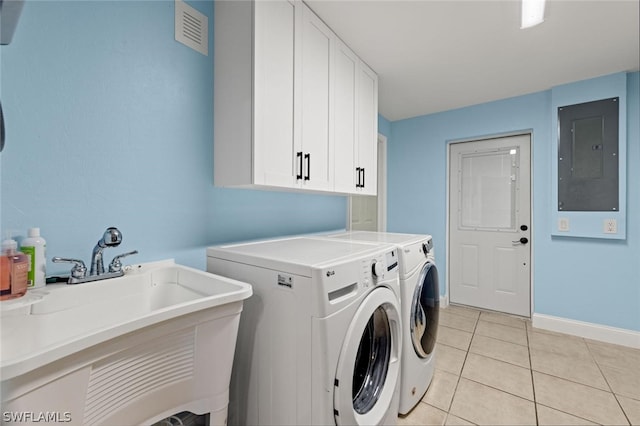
(14, 270)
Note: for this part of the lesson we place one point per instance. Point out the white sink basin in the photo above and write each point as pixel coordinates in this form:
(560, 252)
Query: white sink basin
(49, 331)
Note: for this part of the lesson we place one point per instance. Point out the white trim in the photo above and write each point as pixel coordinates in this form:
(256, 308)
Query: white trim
(382, 182)
(447, 225)
(603, 333)
(444, 301)
(349, 208)
(532, 225)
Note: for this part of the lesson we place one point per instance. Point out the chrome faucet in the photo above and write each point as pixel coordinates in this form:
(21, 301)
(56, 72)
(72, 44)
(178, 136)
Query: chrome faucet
(112, 237)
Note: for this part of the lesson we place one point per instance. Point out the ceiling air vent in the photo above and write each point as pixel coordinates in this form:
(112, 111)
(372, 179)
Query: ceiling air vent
(192, 28)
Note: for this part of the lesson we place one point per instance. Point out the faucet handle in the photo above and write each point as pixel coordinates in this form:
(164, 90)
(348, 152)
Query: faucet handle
(79, 270)
(116, 265)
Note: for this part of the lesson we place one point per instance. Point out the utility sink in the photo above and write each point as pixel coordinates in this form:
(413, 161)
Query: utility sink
(128, 350)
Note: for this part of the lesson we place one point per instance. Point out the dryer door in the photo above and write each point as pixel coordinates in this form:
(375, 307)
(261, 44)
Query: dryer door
(425, 307)
(369, 362)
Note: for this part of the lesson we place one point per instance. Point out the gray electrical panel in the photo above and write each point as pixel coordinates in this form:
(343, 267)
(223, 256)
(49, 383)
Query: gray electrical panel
(588, 156)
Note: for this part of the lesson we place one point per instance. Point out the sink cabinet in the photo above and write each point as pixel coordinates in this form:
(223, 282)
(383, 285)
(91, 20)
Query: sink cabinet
(137, 378)
(130, 350)
(279, 103)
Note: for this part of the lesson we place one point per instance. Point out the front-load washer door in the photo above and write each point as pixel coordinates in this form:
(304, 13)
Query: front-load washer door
(425, 307)
(369, 362)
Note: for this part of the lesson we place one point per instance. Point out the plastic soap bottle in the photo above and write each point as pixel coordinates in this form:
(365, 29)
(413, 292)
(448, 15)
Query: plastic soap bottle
(14, 268)
(35, 247)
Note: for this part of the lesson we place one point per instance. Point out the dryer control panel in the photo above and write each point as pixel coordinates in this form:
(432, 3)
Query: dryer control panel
(382, 267)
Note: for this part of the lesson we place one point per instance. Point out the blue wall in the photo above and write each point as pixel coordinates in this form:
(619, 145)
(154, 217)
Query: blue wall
(590, 280)
(109, 123)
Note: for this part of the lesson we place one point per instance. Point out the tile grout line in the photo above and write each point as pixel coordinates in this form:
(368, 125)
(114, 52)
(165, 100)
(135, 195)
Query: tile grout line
(493, 357)
(502, 340)
(455, 389)
(569, 414)
(574, 382)
(568, 356)
(621, 408)
(533, 383)
(499, 390)
(528, 332)
(610, 390)
(604, 376)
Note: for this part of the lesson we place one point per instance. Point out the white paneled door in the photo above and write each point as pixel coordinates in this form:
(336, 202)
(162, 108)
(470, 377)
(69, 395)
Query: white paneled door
(490, 224)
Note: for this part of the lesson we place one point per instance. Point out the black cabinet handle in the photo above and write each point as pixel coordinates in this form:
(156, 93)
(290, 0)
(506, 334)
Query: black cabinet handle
(2, 127)
(299, 174)
(357, 177)
(362, 185)
(307, 157)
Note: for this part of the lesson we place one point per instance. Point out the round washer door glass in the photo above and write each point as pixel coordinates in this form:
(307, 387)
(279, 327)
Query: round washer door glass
(372, 362)
(425, 307)
(369, 364)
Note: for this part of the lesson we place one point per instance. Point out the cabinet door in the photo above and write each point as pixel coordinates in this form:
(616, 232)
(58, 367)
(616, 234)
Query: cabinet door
(345, 119)
(367, 155)
(273, 93)
(315, 99)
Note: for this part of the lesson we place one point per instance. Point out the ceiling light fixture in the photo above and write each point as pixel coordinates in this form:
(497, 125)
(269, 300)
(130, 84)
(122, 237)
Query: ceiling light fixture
(532, 13)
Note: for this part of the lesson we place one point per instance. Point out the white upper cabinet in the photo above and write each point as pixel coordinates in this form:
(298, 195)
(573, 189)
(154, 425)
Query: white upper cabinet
(273, 91)
(345, 116)
(314, 145)
(355, 116)
(254, 93)
(294, 108)
(367, 148)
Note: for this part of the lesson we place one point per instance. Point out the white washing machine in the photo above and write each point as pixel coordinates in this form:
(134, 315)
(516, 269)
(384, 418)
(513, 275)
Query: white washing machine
(320, 340)
(420, 304)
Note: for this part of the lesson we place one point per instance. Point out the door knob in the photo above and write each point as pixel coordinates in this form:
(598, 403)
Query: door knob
(522, 240)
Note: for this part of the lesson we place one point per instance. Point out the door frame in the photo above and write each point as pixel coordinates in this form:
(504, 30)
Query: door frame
(529, 132)
(382, 187)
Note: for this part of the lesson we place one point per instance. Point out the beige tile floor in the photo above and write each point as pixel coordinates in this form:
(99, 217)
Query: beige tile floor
(495, 369)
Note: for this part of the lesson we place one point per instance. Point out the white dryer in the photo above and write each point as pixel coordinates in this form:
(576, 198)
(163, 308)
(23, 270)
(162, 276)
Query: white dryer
(420, 304)
(320, 340)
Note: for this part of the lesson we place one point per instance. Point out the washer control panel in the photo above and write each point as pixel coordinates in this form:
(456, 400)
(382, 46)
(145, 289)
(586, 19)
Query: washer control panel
(380, 267)
(377, 269)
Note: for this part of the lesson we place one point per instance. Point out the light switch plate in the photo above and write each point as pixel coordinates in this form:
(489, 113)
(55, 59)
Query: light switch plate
(610, 226)
(563, 224)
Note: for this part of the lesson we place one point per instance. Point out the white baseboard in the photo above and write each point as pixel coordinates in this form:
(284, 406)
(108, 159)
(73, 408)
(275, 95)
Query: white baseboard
(444, 301)
(603, 333)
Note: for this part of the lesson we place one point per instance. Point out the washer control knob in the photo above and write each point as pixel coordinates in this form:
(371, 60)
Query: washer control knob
(377, 269)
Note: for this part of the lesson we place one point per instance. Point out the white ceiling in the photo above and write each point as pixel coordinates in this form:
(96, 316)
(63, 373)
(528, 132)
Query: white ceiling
(437, 55)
